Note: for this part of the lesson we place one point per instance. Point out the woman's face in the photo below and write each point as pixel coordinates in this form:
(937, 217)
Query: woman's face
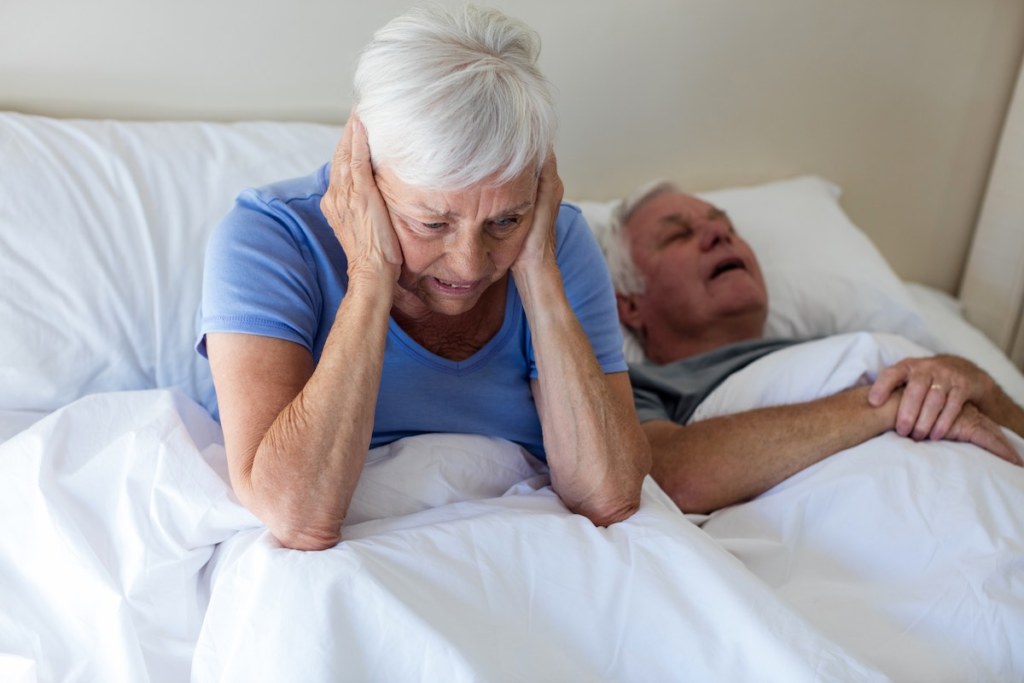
(456, 244)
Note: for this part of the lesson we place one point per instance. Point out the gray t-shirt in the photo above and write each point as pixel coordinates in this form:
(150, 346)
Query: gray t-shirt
(674, 390)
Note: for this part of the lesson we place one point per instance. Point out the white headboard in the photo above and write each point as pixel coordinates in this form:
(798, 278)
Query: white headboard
(993, 288)
(900, 103)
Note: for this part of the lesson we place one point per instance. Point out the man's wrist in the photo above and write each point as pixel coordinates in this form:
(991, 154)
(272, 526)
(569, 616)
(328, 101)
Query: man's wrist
(883, 417)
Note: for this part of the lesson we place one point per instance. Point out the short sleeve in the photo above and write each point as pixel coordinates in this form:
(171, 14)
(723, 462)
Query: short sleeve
(259, 276)
(588, 287)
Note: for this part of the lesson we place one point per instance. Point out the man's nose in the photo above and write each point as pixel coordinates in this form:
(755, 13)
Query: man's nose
(713, 232)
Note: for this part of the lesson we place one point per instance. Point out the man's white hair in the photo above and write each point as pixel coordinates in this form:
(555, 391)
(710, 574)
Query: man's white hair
(614, 240)
(452, 97)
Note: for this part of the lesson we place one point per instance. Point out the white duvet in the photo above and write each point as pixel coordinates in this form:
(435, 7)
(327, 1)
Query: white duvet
(909, 554)
(124, 557)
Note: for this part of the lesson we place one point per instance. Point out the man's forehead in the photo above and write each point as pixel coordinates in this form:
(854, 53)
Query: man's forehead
(668, 209)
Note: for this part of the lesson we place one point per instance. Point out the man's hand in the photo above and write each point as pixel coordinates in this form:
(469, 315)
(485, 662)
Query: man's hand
(539, 247)
(973, 426)
(356, 211)
(935, 391)
(947, 397)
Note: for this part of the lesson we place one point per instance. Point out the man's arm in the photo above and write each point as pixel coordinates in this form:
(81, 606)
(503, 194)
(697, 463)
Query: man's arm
(1004, 411)
(725, 460)
(722, 461)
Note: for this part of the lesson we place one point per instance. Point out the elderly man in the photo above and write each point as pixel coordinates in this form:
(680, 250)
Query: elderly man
(690, 289)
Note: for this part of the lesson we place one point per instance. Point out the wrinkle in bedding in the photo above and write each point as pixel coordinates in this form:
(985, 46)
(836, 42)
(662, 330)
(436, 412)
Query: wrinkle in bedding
(909, 553)
(893, 560)
(498, 582)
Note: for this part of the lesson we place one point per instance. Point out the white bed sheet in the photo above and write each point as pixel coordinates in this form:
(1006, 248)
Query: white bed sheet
(909, 554)
(15, 421)
(132, 561)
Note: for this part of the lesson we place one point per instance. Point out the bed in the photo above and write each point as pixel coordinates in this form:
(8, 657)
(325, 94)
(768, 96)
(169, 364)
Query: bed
(124, 555)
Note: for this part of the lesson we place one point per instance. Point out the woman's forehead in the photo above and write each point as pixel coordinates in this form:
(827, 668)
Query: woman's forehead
(514, 196)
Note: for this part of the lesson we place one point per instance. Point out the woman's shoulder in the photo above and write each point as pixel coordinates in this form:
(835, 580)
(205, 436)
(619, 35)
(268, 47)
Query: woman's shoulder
(289, 208)
(569, 213)
(289, 191)
(277, 223)
(572, 232)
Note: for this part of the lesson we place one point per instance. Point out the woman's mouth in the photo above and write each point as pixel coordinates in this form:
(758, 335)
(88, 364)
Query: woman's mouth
(452, 287)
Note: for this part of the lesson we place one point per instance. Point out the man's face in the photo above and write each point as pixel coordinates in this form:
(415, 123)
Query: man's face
(698, 272)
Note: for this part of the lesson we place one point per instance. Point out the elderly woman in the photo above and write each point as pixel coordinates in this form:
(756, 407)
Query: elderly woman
(427, 280)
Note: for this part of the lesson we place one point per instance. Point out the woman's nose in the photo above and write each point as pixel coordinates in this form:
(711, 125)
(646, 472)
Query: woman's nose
(467, 258)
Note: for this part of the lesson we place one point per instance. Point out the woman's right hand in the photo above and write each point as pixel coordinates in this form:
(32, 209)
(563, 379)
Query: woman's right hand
(355, 209)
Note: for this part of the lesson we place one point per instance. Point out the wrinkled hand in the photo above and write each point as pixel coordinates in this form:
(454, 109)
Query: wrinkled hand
(935, 392)
(973, 426)
(356, 211)
(539, 246)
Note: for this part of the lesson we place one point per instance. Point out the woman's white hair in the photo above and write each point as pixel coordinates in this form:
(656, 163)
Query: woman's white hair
(453, 97)
(614, 240)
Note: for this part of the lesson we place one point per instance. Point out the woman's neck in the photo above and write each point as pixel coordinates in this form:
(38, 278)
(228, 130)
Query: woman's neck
(456, 337)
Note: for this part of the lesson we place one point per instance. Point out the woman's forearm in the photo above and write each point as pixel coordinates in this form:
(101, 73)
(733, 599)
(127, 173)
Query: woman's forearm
(308, 463)
(597, 453)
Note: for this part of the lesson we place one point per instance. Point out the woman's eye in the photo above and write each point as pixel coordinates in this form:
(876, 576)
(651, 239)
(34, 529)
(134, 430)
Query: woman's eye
(433, 226)
(507, 222)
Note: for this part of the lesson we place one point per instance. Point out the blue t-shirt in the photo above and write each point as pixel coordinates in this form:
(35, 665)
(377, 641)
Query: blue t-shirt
(275, 268)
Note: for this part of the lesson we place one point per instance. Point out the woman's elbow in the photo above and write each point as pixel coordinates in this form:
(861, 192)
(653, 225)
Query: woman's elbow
(622, 499)
(306, 539)
(283, 527)
(607, 515)
(616, 505)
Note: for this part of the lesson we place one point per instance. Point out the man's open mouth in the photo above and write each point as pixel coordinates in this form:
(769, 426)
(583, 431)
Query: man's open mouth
(727, 265)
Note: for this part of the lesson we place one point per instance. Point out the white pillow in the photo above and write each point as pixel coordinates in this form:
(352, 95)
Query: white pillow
(824, 276)
(103, 227)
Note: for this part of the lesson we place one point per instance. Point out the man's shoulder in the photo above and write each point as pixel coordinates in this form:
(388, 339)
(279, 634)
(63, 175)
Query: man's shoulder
(673, 390)
(754, 348)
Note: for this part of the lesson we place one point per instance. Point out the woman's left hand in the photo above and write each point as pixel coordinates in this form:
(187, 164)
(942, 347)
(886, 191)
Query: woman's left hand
(596, 453)
(539, 247)
(934, 394)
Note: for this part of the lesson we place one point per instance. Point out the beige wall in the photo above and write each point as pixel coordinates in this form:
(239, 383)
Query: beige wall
(898, 101)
